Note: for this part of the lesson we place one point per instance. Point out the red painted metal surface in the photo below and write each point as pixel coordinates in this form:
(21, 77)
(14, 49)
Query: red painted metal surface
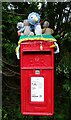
(37, 78)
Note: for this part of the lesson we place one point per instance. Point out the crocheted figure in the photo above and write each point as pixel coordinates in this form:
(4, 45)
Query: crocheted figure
(20, 28)
(34, 20)
(27, 30)
(46, 29)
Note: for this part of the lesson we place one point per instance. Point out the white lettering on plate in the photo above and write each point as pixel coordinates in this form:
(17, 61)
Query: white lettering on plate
(37, 89)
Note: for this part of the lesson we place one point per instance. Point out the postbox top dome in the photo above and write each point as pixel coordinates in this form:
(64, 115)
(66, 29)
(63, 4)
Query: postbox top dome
(37, 37)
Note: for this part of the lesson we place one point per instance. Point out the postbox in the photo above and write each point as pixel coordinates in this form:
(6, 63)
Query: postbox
(37, 77)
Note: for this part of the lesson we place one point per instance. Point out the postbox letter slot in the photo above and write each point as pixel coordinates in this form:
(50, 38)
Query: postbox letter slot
(37, 52)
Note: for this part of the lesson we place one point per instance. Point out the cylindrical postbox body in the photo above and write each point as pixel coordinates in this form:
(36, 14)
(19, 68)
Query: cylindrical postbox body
(37, 77)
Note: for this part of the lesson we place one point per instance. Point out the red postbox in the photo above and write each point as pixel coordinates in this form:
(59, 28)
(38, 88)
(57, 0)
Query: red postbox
(37, 77)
